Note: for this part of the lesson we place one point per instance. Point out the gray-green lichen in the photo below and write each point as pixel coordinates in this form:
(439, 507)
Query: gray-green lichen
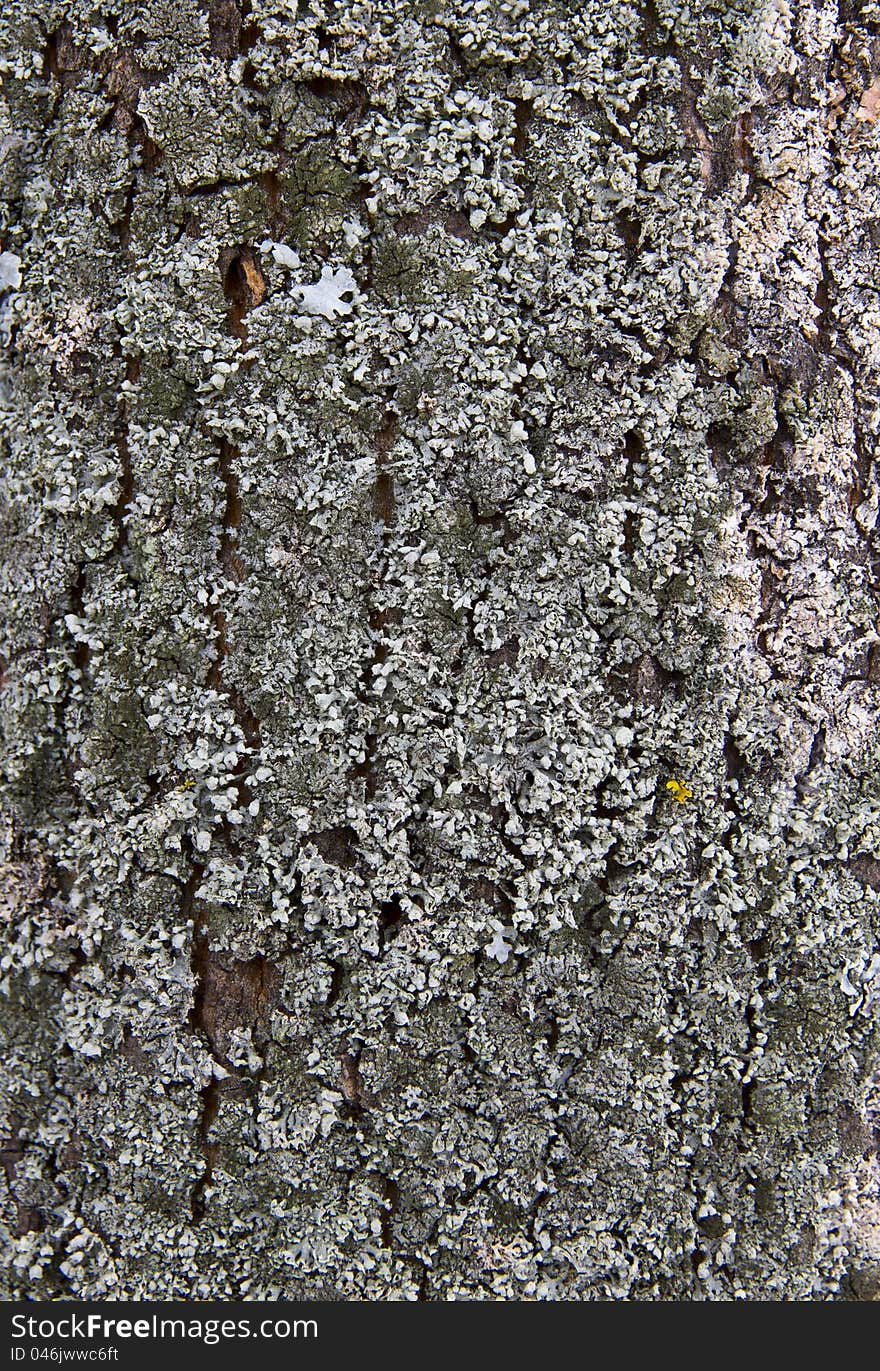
(356, 945)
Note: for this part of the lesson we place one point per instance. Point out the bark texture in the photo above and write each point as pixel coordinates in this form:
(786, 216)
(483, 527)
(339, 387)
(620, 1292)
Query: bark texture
(441, 655)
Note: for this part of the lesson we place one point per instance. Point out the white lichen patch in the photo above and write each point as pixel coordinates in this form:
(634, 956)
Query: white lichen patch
(326, 295)
(10, 271)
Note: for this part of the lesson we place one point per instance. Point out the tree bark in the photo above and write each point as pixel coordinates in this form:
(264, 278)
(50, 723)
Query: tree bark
(441, 656)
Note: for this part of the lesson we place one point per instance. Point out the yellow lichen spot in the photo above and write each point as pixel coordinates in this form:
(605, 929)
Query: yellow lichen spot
(681, 791)
(187, 785)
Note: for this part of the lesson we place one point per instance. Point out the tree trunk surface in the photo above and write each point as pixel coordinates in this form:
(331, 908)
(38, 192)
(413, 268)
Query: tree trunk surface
(440, 644)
